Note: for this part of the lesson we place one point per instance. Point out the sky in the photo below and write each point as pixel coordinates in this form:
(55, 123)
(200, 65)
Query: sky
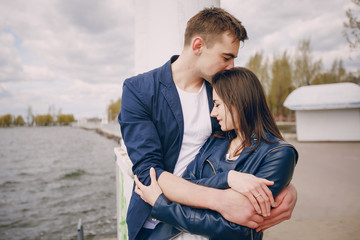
(73, 55)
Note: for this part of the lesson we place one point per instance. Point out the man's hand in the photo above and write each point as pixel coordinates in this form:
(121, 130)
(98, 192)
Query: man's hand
(286, 200)
(237, 208)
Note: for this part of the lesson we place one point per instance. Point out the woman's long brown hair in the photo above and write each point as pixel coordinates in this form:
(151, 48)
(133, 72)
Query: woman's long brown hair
(241, 88)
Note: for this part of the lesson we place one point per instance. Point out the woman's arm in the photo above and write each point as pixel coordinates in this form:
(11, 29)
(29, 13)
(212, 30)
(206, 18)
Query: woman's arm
(286, 194)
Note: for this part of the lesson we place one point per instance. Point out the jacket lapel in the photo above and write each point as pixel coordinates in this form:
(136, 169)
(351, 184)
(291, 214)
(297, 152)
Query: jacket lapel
(169, 91)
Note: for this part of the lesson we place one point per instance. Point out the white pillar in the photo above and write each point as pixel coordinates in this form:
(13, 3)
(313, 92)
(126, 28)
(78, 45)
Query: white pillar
(160, 27)
(159, 34)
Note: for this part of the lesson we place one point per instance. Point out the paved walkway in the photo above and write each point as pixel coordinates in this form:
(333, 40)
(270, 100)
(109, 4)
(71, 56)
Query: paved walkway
(327, 179)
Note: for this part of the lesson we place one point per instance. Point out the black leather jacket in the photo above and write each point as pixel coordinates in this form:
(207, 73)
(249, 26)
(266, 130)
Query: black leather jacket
(275, 162)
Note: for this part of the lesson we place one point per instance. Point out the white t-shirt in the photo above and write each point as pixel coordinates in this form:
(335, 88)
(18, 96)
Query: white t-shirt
(197, 126)
(197, 129)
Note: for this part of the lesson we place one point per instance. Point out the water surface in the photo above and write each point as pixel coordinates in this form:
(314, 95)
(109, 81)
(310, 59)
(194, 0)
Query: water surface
(52, 176)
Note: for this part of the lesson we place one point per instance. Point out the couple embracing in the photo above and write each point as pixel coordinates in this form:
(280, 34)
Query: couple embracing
(208, 159)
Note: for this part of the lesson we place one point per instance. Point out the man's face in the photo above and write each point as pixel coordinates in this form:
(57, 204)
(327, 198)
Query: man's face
(218, 57)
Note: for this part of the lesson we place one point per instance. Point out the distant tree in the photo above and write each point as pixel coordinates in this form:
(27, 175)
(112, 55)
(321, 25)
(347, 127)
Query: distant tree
(338, 70)
(305, 69)
(324, 78)
(52, 111)
(30, 116)
(352, 26)
(335, 75)
(259, 65)
(281, 84)
(44, 120)
(354, 77)
(65, 119)
(6, 120)
(19, 121)
(114, 109)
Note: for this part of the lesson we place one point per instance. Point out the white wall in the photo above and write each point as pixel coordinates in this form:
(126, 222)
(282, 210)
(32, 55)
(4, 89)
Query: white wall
(160, 27)
(328, 125)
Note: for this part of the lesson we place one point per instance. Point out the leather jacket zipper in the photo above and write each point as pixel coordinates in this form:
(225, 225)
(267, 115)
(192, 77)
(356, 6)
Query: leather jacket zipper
(207, 160)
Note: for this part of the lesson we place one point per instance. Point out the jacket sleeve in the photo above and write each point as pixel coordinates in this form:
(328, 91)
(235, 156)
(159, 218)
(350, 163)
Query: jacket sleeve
(278, 165)
(197, 221)
(139, 133)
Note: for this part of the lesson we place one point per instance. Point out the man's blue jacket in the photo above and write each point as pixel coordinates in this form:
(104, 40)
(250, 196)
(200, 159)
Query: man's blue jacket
(151, 122)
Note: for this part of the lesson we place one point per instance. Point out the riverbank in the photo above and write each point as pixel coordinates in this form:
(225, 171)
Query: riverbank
(109, 130)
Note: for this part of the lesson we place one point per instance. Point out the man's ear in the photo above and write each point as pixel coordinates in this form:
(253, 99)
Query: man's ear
(197, 45)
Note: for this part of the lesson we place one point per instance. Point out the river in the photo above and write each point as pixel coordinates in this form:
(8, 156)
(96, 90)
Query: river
(50, 177)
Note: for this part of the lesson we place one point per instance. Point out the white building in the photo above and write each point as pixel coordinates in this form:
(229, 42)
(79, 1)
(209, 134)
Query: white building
(160, 28)
(327, 112)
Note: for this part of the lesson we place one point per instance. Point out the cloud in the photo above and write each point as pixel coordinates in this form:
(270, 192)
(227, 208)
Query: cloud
(4, 92)
(71, 54)
(90, 40)
(75, 54)
(276, 27)
(10, 63)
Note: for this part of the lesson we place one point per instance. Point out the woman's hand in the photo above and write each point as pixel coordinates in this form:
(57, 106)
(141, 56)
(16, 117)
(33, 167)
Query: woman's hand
(148, 193)
(255, 189)
(286, 202)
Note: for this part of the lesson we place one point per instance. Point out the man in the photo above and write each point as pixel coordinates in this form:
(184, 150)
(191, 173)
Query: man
(165, 119)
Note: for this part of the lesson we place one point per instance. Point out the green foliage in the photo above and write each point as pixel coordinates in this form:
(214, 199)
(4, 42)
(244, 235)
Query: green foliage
(335, 75)
(5, 120)
(19, 121)
(43, 120)
(281, 84)
(65, 119)
(114, 109)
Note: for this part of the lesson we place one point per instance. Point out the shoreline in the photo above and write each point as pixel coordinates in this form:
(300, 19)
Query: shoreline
(109, 130)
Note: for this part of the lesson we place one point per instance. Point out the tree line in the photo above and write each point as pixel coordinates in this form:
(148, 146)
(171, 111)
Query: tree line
(284, 73)
(8, 120)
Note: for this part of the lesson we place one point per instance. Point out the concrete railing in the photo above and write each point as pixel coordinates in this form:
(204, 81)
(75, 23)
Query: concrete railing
(124, 186)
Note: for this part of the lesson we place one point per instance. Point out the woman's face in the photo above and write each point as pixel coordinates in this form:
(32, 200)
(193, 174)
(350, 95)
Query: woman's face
(222, 113)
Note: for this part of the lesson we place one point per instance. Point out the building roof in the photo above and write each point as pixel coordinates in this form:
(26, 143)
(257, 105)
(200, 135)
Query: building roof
(324, 96)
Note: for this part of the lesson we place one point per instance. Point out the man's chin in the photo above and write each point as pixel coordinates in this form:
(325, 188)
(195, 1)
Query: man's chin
(208, 78)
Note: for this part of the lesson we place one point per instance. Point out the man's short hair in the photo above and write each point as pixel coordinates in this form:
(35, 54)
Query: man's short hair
(211, 23)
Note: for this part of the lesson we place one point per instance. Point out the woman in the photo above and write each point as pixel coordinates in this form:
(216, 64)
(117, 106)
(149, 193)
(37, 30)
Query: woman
(250, 144)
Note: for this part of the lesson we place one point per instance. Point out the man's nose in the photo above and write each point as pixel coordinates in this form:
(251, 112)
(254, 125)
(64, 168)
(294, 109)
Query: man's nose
(230, 65)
